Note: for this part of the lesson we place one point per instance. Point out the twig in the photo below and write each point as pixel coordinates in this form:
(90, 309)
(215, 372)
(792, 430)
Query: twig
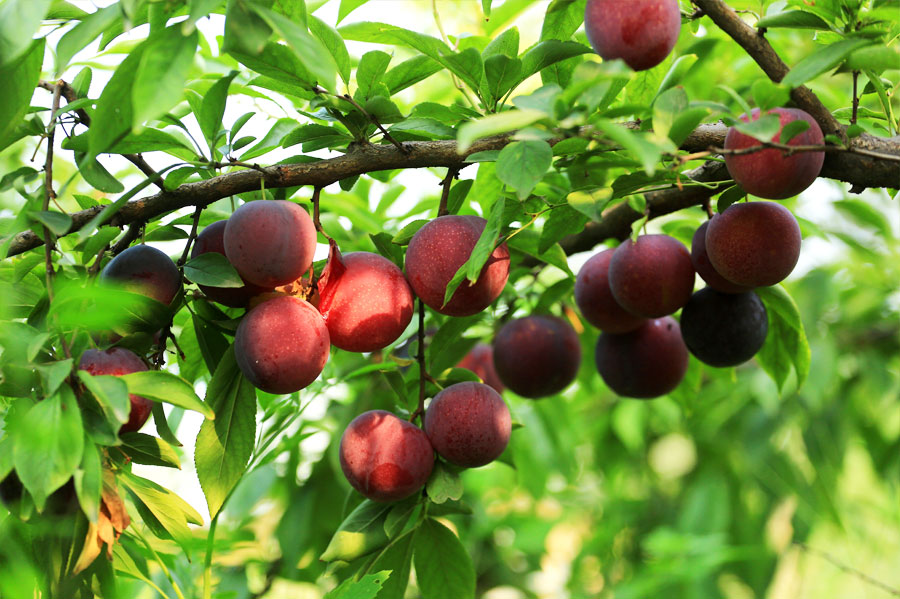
(862, 171)
(68, 92)
(315, 202)
(193, 235)
(761, 51)
(850, 570)
(371, 118)
(855, 98)
(49, 195)
(420, 358)
(452, 173)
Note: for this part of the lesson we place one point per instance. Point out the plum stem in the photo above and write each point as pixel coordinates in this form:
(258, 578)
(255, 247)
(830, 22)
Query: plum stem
(420, 358)
(317, 190)
(452, 173)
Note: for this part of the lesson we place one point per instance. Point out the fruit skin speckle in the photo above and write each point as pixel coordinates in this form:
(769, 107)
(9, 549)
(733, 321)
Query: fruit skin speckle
(385, 458)
(365, 301)
(282, 345)
(436, 252)
(468, 424)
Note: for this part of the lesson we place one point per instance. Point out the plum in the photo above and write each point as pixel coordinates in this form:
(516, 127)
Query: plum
(436, 252)
(468, 424)
(595, 300)
(724, 329)
(270, 242)
(651, 277)
(754, 244)
(145, 270)
(645, 363)
(772, 173)
(117, 361)
(282, 345)
(211, 239)
(537, 356)
(365, 301)
(704, 267)
(640, 32)
(480, 360)
(385, 458)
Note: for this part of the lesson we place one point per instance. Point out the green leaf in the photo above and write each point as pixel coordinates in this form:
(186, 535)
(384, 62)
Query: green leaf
(793, 19)
(666, 108)
(396, 557)
(448, 346)
(89, 481)
(522, 165)
(315, 137)
(793, 129)
(332, 40)
(562, 222)
(111, 393)
(562, 19)
(493, 124)
(224, 445)
(443, 484)
(823, 60)
(361, 533)
(348, 6)
(314, 56)
(764, 128)
(49, 444)
(527, 240)
(410, 72)
(873, 58)
(471, 268)
(505, 44)
(406, 233)
(212, 109)
(212, 269)
(786, 343)
(57, 222)
(245, 31)
(685, 123)
(20, 78)
(114, 107)
(147, 140)
(547, 53)
(366, 587)
(53, 374)
(150, 450)
(84, 33)
(635, 143)
(444, 569)
(98, 177)
(161, 73)
(768, 94)
(501, 73)
(19, 21)
(171, 511)
(166, 387)
(372, 67)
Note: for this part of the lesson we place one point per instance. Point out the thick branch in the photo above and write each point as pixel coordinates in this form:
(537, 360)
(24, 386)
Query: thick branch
(861, 171)
(759, 49)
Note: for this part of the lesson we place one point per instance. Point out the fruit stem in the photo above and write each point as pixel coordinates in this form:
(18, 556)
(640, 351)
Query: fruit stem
(452, 173)
(420, 358)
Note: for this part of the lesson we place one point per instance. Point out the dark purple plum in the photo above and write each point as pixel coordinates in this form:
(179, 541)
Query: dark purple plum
(651, 277)
(595, 300)
(537, 356)
(645, 363)
(145, 270)
(480, 360)
(704, 267)
(724, 329)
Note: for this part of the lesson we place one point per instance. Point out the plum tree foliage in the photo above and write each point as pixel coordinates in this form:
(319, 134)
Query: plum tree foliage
(335, 259)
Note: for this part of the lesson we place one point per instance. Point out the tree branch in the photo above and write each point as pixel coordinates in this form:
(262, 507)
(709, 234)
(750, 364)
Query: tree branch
(861, 171)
